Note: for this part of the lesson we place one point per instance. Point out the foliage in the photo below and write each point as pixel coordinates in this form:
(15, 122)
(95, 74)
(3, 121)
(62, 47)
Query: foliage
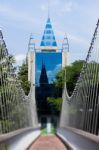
(9, 124)
(55, 103)
(23, 77)
(44, 131)
(4, 147)
(12, 111)
(69, 74)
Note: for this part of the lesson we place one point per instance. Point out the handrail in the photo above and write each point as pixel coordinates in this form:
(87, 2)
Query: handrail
(8, 136)
(87, 135)
(81, 110)
(77, 139)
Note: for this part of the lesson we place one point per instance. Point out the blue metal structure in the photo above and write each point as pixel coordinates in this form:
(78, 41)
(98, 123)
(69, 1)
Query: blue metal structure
(48, 42)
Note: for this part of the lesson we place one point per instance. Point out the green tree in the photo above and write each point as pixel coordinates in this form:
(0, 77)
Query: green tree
(23, 77)
(12, 105)
(55, 104)
(69, 74)
(6, 88)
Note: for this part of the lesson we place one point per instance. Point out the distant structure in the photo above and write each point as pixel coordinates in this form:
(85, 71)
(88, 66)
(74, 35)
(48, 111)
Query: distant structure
(65, 44)
(48, 43)
(45, 89)
(65, 52)
(31, 45)
(31, 60)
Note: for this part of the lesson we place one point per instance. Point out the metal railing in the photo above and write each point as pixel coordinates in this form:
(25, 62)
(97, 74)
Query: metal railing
(81, 110)
(16, 109)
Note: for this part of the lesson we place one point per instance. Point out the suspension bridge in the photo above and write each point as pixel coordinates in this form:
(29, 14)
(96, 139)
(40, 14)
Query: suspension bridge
(79, 120)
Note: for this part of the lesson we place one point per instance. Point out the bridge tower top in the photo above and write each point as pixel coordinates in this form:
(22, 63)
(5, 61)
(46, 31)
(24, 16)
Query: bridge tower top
(65, 44)
(1, 35)
(65, 50)
(31, 45)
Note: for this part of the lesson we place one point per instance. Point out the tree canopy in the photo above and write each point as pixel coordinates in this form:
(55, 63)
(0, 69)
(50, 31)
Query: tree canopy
(23, 77)
(69, 74)
(55, 104)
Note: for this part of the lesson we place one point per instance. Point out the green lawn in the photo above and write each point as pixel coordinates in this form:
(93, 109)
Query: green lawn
(4, 148)
(44, 131)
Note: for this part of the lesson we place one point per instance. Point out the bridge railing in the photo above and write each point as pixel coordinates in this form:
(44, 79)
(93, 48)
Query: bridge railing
(81, 110)
(15, 107)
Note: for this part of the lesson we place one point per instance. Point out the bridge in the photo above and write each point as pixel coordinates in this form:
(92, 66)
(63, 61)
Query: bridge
(79, 120)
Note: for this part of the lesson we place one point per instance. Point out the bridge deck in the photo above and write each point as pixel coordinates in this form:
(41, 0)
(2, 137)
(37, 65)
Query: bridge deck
(48, 143)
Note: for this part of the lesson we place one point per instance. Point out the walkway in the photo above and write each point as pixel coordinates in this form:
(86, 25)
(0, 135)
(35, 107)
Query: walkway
(48, 143)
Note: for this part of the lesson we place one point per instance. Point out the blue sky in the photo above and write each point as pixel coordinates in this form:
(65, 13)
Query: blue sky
(76, 18)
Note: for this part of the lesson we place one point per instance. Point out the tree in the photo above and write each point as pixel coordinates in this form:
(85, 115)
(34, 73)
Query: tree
(23, 77)
(13, 105)
(55, 104)
(70, 74)
(6, 87)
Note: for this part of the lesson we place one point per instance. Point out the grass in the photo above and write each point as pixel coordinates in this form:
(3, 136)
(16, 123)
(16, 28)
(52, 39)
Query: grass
(44, 131)
(4, 147)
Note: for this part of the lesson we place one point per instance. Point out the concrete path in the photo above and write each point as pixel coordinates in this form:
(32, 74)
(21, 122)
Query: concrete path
(48, 143)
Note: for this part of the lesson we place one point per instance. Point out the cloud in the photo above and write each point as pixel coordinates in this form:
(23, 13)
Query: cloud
(38, 71)
(20, 58)
(12, 13)
(77, 39)
(49, 72)
(57, 68)
(55, 2)
(74, 38)
(43, 7)
(52, 4)
(56, 5)
(68, 7)
(4, 8)
(74, 17)
(52, 73)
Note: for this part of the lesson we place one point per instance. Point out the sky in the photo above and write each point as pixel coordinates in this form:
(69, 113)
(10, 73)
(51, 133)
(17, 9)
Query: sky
(75, 18)
(52, 62)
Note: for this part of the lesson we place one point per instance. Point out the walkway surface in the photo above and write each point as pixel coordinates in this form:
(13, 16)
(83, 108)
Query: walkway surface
(48, 143)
